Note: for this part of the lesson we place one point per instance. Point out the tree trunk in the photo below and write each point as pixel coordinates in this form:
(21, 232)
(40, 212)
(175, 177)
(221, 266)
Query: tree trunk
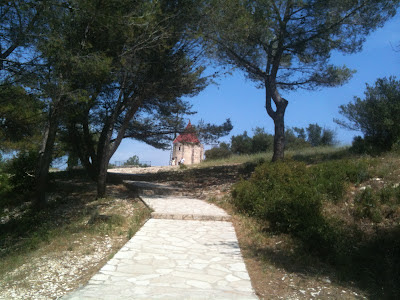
(278, 116)
(102, 178)
(45, 157)
(107, 148)
(279, 138)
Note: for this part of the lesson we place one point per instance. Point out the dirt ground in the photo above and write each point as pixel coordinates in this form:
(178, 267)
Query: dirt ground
(275, 270)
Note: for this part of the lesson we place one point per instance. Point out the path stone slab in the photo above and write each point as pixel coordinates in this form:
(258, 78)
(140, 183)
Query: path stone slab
(184, 208)
(151, 188)
(174, 259)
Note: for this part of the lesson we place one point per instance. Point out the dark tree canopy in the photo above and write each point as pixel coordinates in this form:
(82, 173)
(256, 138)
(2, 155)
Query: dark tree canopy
(20, 118)
(128, 68)
(103, 70)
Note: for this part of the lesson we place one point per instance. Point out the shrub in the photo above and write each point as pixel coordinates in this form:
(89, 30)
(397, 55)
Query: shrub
(367, 205)
(331, 177)
(397, 194)
(283, 194)
(386, 195)
(222, 151)
(21, 169)
(5, 189)
(241, 144)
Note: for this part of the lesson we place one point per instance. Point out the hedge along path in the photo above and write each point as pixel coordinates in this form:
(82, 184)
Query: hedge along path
(188, 250)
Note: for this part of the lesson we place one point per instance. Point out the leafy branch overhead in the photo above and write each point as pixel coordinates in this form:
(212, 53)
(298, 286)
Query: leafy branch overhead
(159, 132)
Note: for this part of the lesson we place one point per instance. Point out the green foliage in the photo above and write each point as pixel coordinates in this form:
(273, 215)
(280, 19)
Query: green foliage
(367, 205)
(210, 133)
(1, 162)
(241, 144)
(72, 161)
(372, 204)
(21, 170)
(386, 195)
(301, 133)
(314, 132)
(289, 194)
(332, 177)
(293, 142)
(128, 71)
(21, 116)
(283, 194)
(261, 141)
(20, 25)
(295, 138)
(222, 151)
(318, 136)
(377, 116)
(362, 146)
(132, 161)
(312, 136)
(5, 189)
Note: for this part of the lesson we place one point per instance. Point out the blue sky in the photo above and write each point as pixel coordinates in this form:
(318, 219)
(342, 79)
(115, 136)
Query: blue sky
(238, 99)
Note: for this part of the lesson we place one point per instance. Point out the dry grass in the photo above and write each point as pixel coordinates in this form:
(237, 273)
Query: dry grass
(278, 267)
(57, 251)
(313, 154)
(366, 264)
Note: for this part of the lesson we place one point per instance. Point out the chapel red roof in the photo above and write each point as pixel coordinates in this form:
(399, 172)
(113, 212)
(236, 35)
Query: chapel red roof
(188, 136)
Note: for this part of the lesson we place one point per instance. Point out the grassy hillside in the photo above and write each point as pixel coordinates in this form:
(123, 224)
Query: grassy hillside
(323, 212)
(323, 224)
(43, 255)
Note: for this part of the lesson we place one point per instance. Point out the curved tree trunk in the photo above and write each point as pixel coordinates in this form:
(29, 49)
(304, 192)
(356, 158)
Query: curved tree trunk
(109, 147)
(278, 116)
(279, 137)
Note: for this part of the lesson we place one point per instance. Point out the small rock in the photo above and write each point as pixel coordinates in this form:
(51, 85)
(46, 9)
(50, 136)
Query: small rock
(326, 280)
(315, 294)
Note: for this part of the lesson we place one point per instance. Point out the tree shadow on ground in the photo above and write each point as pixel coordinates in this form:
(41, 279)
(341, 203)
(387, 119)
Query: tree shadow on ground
(216, 175)
(371, 263)
(71, 198)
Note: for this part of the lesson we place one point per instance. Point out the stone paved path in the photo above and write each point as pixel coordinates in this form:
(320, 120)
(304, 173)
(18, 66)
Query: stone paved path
(183, 208)
(180, 257)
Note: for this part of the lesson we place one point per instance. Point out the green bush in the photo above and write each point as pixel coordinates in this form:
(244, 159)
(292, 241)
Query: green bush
(361, 146)
(5, 189)
(397, 194)
(367, 205)
(390, 195)
(222, 151)
(283, 194)
(21, 170)
(331, 177)
(386, 195)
